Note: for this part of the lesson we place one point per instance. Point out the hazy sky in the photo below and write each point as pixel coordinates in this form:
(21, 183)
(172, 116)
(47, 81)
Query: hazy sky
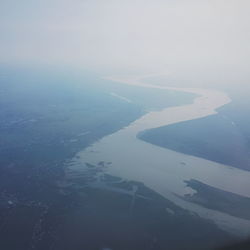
(150, 35)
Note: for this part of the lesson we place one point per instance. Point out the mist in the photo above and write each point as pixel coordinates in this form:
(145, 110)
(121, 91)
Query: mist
(193, 40)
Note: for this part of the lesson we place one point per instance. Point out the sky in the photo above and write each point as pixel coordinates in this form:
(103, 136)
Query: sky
(154, 36)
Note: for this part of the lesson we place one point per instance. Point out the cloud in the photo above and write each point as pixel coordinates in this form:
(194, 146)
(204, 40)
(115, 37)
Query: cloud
(140, 34)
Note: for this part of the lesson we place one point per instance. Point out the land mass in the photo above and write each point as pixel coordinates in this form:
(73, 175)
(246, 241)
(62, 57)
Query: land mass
(217, 199)
(41, 130)
(214, 138)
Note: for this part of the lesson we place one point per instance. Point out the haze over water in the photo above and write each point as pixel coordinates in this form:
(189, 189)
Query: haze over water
(162, 169)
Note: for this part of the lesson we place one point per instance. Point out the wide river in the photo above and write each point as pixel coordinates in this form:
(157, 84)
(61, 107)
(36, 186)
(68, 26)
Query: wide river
(163, 170)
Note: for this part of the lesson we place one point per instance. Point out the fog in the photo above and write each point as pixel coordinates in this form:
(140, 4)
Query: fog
(191, 39)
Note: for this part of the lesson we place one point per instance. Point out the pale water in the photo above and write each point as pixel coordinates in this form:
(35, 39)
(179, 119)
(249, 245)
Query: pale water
(163, 170)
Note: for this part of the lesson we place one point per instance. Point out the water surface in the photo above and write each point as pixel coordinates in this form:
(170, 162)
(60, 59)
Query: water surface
(165, 170)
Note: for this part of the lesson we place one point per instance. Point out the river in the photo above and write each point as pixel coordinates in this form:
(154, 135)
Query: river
(163, 170)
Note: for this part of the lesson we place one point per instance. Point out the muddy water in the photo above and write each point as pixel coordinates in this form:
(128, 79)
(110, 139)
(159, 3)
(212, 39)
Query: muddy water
(164, 170)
